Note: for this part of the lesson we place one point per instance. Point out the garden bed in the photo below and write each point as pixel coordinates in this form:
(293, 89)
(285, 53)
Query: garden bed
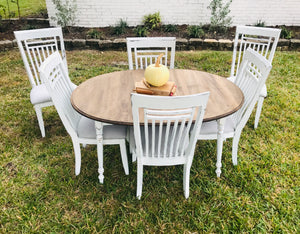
(108, 38)
(7, 27)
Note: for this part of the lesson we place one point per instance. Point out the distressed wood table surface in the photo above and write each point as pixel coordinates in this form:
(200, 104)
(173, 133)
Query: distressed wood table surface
(106, 97)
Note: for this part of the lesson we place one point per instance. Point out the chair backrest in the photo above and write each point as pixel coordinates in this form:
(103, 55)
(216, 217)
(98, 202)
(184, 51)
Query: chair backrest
(166, 137)
(55, 77)
(35, 46)
(262, 40)
(145, 51)
(252, 75)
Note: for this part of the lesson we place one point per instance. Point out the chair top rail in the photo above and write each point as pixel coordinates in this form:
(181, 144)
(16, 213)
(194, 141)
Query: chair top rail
(151, 42)
(258, 31)
(150, 38)
(38, 33)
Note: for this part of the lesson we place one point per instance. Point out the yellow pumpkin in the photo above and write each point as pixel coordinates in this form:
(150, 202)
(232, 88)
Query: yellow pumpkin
(157, 74)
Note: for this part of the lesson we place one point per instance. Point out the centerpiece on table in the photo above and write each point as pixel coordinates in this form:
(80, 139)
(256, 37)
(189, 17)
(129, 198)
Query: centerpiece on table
(156, 80)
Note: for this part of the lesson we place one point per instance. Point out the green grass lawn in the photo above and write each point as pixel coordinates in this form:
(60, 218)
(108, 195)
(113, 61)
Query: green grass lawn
(40, 192)
(27, 7)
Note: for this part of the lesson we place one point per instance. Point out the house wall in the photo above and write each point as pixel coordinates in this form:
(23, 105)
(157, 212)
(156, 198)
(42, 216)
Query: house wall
(96, 13)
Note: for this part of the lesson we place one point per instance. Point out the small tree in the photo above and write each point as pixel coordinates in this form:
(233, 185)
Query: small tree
(18, 5)
(65, 13)
(219, 20)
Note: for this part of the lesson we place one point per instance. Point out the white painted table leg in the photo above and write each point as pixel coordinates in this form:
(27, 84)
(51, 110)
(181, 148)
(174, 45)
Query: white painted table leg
(99, 133)
(220, 138)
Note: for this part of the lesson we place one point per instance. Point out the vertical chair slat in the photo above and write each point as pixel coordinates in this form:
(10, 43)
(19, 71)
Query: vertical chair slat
(153, 138)
(173, 137)
(179, 135)
(167, 138)
(146, 134)
(159, 138)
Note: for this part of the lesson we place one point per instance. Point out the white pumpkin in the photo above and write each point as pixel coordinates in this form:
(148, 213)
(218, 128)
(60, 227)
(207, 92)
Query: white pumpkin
(157, 74)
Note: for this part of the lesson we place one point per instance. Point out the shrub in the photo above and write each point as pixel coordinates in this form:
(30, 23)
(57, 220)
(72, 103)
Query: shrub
(152, 21)
(219, 20)
(42, 12)
(28, 27)
(12, 14)
(286, 33)
(94, 34)
(260, 23)
(120, 28)
(195, 31)
(170, 28)
(141, 31)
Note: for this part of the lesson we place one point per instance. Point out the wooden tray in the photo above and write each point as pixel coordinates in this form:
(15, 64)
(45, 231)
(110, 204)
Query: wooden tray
(167, 89)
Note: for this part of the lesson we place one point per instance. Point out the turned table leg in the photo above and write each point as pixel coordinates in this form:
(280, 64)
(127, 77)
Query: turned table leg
(99, 133)
(220, 138)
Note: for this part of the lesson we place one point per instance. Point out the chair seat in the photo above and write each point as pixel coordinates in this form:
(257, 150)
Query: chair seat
(211, 127)
(86, 129)
(39, 94)
(263, 92)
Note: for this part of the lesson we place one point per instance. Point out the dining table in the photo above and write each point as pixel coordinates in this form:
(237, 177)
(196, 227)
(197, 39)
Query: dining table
(106, 98)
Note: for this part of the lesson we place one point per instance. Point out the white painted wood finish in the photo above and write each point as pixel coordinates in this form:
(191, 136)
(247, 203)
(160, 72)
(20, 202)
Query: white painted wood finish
(81, 129)
(262, 40)
(35, 46)
(143, 51)
(251, 77)
(168, 136)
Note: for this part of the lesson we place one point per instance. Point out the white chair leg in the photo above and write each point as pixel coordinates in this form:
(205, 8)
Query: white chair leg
(132, 144)
(220, 140)
(77, 152)
(235, 145)
(186, 180)
(258, 110)
(124, 157)
(133, 157)
(38, 111)
(139, 186)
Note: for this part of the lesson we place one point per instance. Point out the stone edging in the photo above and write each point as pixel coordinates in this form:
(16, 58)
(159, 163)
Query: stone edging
(181, 44)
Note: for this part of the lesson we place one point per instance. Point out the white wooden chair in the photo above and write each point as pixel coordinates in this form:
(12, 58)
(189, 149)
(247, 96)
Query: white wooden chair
(35, 46)
(143, 51)
(81, 129)
(250, 78)
(262, 40)
(166, 137)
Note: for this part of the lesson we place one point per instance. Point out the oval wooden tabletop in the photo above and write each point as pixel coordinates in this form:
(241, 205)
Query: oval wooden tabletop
(106, 98)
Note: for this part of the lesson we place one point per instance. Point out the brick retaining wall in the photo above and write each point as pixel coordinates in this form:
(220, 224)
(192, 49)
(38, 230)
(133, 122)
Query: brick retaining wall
(181, 44)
